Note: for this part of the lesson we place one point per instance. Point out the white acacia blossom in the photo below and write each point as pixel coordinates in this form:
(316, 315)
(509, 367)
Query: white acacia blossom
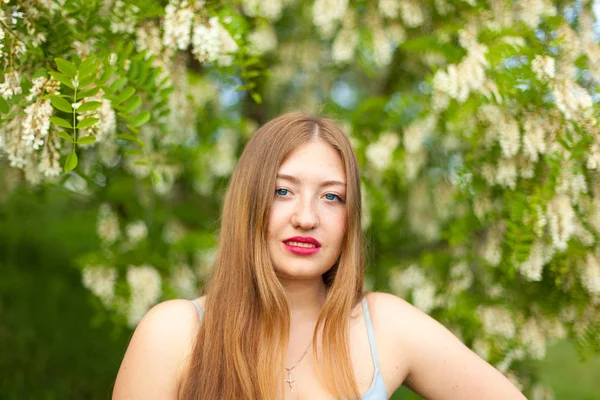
(327, 14)
(213, 43)
(145, 285)
(497, 321)
(125, 15)
(262, 40)
(533, 338)
(380, 152)
(509, 135)
(136, 231)
(571, 99)
(27, 138)
(461, 278)
(530, 11)
(424, 297)
(411, 13)
(107, 226)
(344, 45)
(178, 24)
(459, 80)
(413, 164)
(532, 268)
(389, 8)
(561, 221)
(100, 280)
(534, 137)
(543, 67)
(492, 247)
(11, 85)
(184, 281)
(506, 174)
(148, 38)
(404, 281)
(383, 45)
(417, 133)
(590, 275)
(204, 261)
(269, 9)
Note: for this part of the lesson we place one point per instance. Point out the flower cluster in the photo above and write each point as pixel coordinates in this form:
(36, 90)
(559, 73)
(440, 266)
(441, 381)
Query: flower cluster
(327, 14)
(178, 24)
(269, 9)
(145, 285)
(27, 138)
(213, 43)
(107, 226)
(101, 281)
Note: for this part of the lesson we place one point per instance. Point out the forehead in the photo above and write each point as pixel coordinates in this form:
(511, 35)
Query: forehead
(315, 159)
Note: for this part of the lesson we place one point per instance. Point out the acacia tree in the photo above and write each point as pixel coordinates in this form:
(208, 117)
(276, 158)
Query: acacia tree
(475, 123)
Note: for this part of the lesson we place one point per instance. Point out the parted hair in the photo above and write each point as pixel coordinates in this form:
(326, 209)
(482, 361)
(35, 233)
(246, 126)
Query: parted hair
(241, 346)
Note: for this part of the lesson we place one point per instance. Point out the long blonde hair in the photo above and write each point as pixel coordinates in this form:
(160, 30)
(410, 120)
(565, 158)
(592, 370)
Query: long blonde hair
(242, 343)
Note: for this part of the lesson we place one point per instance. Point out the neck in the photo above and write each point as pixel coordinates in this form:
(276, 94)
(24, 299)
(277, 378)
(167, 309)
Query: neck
(305, 298)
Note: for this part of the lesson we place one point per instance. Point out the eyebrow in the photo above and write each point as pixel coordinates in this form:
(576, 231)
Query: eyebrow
(295, 180)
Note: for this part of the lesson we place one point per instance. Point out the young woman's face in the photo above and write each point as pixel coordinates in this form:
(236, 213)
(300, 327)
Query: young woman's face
(308, 218)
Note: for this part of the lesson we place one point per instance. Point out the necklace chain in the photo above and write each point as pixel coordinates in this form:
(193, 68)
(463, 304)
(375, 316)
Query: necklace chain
(290, 380)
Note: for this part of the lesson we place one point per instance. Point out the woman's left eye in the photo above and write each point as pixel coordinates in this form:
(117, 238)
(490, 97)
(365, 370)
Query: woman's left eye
(331, 197)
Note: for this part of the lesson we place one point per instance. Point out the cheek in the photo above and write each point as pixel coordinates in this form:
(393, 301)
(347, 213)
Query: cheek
(276, 219)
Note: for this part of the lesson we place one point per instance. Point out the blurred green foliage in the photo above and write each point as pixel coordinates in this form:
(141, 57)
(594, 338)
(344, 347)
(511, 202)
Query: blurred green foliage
(475, 124)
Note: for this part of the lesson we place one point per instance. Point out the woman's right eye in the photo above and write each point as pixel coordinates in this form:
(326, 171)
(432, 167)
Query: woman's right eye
(281, 192)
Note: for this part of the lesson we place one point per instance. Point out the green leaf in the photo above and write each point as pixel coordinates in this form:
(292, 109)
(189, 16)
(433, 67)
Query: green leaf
(65, 135)
(133, 103)
(60, 103)
(25, 84)
(76, 60)
(66, 67)
(256, 97)
(127, 136)
(86, 140)
(88, 80)
(86, 123)
(88, 93)
(40, 72)
(89, 106)
(3, 105)
(127, 51)
(63, 123)
(133, 152)
(133, 129)
(141, 119)
(88, 66)
(118, 84)
(124, 95)
(62, 78)
(106, 75)
(71, 162)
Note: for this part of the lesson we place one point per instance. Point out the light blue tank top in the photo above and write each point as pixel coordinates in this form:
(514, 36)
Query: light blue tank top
(377, 390)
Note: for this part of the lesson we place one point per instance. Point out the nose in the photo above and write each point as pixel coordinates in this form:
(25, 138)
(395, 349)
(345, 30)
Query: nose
(305, 215)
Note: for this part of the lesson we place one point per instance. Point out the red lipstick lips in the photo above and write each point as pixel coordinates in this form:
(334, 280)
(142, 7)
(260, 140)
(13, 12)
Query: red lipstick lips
(302, 245)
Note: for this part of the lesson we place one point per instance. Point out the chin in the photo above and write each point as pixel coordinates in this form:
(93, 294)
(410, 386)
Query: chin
(308, 272)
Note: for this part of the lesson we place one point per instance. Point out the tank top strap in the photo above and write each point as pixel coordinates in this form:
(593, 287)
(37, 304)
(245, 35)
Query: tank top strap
(370, 333)
(199, 308)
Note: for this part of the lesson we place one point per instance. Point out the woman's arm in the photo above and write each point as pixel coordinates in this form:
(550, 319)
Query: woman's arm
(440, 367)
(157, 353)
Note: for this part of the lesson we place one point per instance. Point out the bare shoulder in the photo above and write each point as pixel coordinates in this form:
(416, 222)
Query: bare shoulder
(395, 316)
(438, 364)
(157, 352)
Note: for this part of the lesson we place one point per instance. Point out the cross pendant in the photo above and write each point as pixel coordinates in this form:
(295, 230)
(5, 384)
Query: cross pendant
(290, 381)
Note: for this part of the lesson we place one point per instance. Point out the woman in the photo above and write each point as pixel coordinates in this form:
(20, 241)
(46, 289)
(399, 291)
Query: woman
(284, 314)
